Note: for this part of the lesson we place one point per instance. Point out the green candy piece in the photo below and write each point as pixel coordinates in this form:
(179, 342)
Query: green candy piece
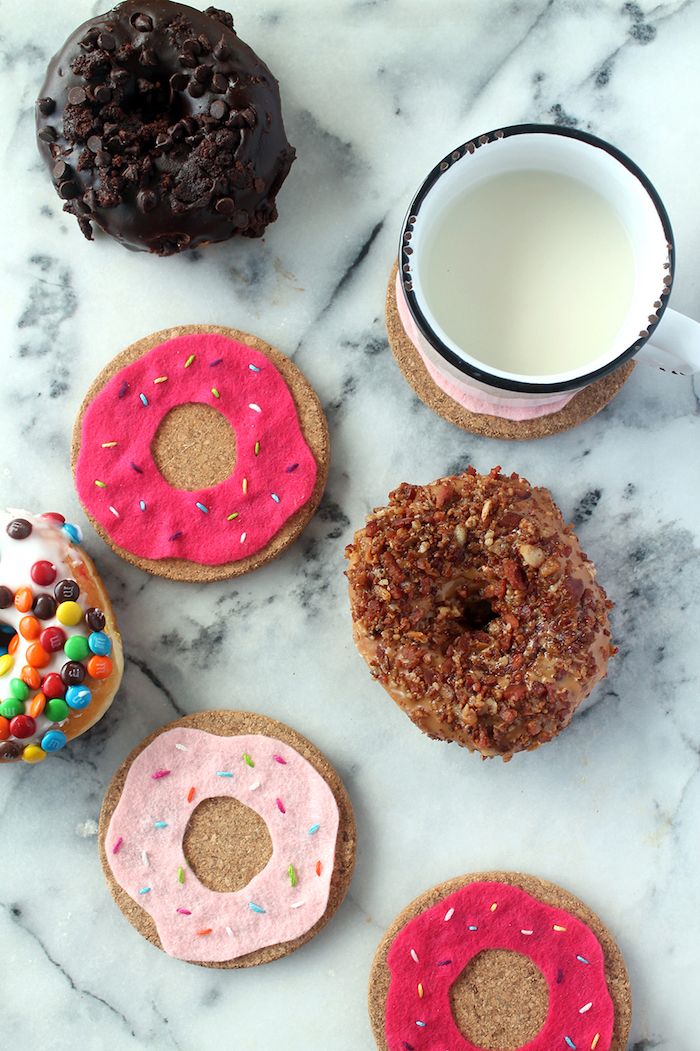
(19, 689)
(76, 648)
(12, 707)
(56, 710)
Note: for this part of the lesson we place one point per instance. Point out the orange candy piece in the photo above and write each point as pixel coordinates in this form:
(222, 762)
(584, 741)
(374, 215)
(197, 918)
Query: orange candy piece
(31, 677)
(4, 728)
(36, 705)
(99, 667)
(37, 655)
(13, 644)
(24, 599)
(30, 628)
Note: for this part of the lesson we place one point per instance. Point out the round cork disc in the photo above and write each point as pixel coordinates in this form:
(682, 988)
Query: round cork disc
(216, 457)
(500, 1000)
(239, 833)
(581, 407)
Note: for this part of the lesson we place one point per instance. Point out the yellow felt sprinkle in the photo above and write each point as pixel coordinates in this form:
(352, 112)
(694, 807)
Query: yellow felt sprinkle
(558, 928)
(245, 485)
(420, 990)
(161, 379)
(108, 445)
(494, 906)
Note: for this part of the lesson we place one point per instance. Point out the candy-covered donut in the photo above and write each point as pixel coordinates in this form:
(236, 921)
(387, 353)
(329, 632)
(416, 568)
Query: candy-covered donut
(415, 987)
(281, 453)
(60, 652)
(162, 127)
(477, 611)
(301, 801)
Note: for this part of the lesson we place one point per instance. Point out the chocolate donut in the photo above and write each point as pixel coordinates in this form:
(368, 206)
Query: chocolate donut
(162, 127)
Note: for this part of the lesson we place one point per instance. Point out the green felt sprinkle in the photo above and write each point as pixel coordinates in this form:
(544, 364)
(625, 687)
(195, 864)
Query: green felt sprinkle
(248, 760)
(189, 361)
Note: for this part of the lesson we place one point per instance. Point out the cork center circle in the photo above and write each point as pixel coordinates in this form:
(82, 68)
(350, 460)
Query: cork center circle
(194, 447)
(500, 1000)
(226, 844)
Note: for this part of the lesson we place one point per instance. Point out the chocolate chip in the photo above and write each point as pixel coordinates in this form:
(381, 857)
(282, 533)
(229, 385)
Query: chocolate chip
(103, 158)
(94, 143)
(163, 140)
(143, 23)
(47, 133)
(225, 206)
(147, 201)
(76, 96)
(44, 607)
(19, 528)
(60, 170)
(46, 106)
(90, 199)
(147, 57)
(202, 73)
(221, 50)
(240, 219)
(249, 117)
(102, 94)
(218, 109)
(219, 83)
(235, 120)
(187, 59)
(109, 129)
(196, 90)
(192, 45)
(144, 85)
(178, 81)
(68, 190)
(119, 76)
(194, 140)
(106, 41)
(91, 36)
(5, 597)
(177, 131)
(95, 618)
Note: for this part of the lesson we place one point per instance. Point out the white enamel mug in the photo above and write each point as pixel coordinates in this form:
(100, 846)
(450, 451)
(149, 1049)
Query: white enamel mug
(650, 331)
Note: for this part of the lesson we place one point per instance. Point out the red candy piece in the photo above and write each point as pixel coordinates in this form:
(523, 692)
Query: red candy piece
(22, 726)
(53, 516)
(52, 639)
(53, 686)
(43, 573)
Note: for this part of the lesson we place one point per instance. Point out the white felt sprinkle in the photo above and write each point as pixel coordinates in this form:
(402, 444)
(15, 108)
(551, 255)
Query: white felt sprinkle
(586, 1008)
(254, 407)
(255, 784)
(297, 904)
(114, 511)
(145, 859)
(182, 747)
(243, 536)
(449, 914)
(527, 932)
(229, 932)
(414, 954)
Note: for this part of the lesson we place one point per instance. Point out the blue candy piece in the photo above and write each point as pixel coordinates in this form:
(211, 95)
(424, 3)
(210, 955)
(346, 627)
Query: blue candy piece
(73, 532)
(78, 697)
(100, 643)
(53, 740)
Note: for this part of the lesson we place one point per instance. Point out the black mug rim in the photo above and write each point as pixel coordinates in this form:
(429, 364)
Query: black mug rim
(466, 367)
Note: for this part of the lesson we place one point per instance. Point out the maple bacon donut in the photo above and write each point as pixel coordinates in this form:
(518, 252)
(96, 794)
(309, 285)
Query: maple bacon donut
(477, 611)
(60, 652)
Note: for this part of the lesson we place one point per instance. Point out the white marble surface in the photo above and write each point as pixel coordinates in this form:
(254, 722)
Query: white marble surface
(374, 93)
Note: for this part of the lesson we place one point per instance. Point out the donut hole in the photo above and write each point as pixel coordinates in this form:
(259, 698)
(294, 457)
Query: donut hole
(194, 447)
(500, 1000)
(477, 614)
(226, 844)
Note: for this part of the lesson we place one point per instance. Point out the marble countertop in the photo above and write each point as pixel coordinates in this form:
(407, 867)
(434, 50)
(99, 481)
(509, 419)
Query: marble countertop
(374, 93)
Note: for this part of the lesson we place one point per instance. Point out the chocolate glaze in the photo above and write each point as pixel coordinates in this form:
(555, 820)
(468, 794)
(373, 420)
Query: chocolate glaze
(161, 126)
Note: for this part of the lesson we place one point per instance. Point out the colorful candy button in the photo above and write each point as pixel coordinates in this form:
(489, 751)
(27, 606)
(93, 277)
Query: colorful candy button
(53, 516)
(19, 689)
(44, 606)
(6, 663)
(69, 613)
(33, 754)
(67, 591)
(37, 705)
(31, 676)
(56, 710)
(11, 707)
(53, 741)
(73, 532)
(23, 599)
(99, 667)
(53, 686)
(4, 728)
(19, 528)
(13, 644)
(76, 648)
(53, 639)
(22, 726)
(43, 573)
(95, 618)
(6, 597)
(99, 643)
(37, 655)
(78, 697)
(29, 628)
(73, 673)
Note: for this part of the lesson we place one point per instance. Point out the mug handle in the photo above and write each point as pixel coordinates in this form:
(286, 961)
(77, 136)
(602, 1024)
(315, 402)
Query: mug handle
(674, 345)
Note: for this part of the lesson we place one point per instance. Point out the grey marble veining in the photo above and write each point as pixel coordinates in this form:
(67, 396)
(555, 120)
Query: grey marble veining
(374, 93)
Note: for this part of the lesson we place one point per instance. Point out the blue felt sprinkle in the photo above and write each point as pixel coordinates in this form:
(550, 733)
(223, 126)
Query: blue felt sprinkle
(570, 1043)
(314, 828)
(254, 368)
(473, 928)
(176, 535)
(255, 908)
(409, 1047)
(560, 977)
(443, 963)
(292, 468)
(217, 362)
(122, 392)
(143, 505)
(138, 469)
(581, 959)
(275, 497)
(423, 1024)
(203, 508)
(161, 824)
(144, 399)
(223, 773)
(145, 890)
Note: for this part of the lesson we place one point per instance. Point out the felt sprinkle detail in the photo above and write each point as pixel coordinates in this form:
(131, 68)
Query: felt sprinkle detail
(449, 914)
(414, 955)
(581, 958)
(190, 795)
(422, 1024)
(245, 485)
(560, 977)
(102, 485)
(161, 824)
(596, 1038)
(297, 904)
(314, 828)
(145, 890)
(473, 928)
(114, 511)
(159, 773)
(108, 445)
(527, 932)
(217, 362)
(185, 912)
(137, 469)
(586, 1007)
(318, 868)
(207, 930)
(189, 361)
(443, 963)
(144, 399)
(409, 1047)
(175, 535)
(247, 759)
(202, 508)
(180, 875)
(215, 392)
(280, 806)
(142, 505)
(292, 876)
(494, 906)
(275, 497)
(223, 773)
(122, 392)
(570, 1043)
(257, 448)
(556, 927)
(255, 784)
(182, 747)
(117, 845)
(161, 379)
(420, 991)
(231, 517)
(254, 407)
(229, 932)
(279, 759)
(292, 468)
(254, 907)
(254, 368)
(144, 858)
(243, 536)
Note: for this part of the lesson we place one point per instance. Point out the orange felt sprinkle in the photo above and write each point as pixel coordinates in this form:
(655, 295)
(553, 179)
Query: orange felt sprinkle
(13, 644)
(30, 628)
(190, 795)
(207, 930)
(318, 868)
(32, 678)
(99, 667)
(36, 655)
(23, 599)
(36, 705)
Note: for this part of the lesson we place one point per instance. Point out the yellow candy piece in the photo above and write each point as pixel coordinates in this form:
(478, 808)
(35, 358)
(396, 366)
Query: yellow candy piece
(6, 662)
(69, 613)
(33, 754)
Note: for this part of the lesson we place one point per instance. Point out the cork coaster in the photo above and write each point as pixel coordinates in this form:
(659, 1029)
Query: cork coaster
(195, 448)
(500, 1000)
(226, 843)
(581, 407)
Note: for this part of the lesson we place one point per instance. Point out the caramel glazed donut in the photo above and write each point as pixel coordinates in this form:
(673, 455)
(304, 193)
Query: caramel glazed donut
(164, 128)
(477, 611)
